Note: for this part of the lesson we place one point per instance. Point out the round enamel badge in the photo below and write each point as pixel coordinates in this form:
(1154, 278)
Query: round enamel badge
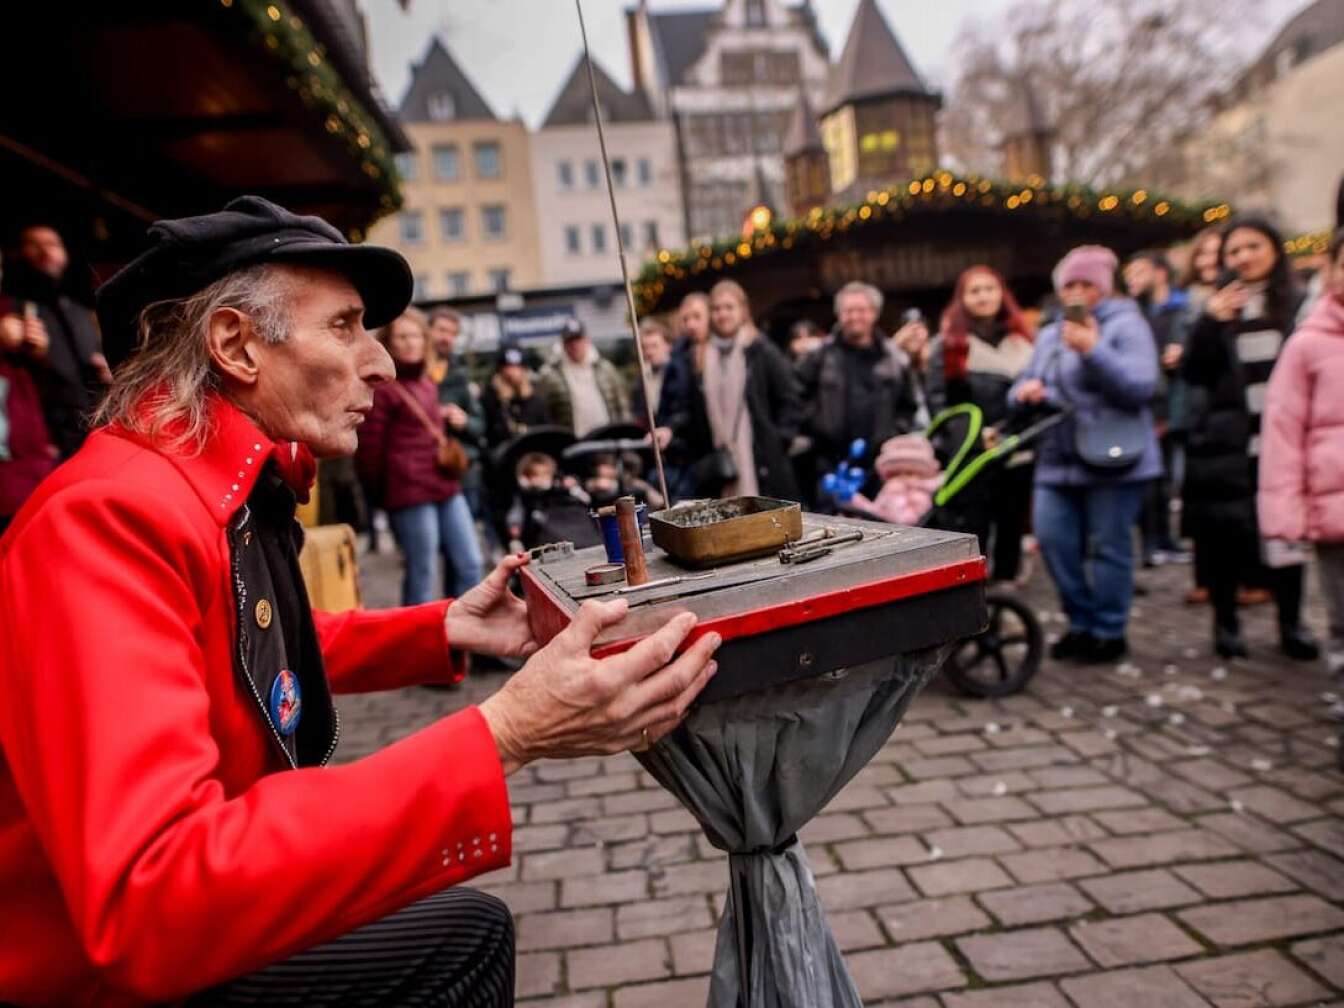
(286, 702)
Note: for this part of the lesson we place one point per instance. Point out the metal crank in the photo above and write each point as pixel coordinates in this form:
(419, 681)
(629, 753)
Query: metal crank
(818, 546)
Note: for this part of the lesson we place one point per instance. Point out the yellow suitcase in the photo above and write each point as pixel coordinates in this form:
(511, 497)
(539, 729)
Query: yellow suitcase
(330, 568)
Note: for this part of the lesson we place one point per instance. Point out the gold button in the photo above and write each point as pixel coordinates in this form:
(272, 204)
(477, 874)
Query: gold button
(263, 614)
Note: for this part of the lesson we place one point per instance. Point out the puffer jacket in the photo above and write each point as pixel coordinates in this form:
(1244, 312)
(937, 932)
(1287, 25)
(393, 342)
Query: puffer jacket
(1301, 495)
(1117, 377)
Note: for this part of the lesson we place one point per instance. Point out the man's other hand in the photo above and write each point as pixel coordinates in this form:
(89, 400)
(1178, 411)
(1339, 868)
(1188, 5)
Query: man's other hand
(491, 619)
(565, 703)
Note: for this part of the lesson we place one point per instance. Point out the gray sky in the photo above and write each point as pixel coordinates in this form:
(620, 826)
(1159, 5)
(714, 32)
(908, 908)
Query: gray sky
(518, 51)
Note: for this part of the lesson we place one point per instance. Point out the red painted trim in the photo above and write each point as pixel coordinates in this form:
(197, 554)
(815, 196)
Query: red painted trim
(786, 614)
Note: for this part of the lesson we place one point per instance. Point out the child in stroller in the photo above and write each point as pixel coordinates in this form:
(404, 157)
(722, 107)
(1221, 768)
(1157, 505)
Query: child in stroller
(547, 507)
(910, 476)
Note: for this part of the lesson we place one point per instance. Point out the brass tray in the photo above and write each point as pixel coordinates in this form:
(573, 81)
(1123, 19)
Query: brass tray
(708, 533)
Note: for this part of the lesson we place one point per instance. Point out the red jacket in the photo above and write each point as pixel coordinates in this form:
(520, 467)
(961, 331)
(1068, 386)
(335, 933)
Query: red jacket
(152, 840)
(396, 450)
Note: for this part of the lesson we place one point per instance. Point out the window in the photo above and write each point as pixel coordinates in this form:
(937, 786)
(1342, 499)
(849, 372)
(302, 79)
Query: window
(618, 172)
(565, 169)
(446, 167)
(499, 280)
(651, 234)
(494, 221)
(756, 14)
(599, 238)
(406, 165)
(590, 174)
(627, 235)
(421, 289)
(572, 245)
(488, 162)
(459, 283)
(644, 171)
(442, 105)
(412, 227)
(452, 224)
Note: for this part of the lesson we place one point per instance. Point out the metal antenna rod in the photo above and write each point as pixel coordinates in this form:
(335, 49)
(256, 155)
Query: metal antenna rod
(625, 272)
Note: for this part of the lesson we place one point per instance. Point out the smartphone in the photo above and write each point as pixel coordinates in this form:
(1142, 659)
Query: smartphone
(1226, 277)
(1076, 311)
(911, 315)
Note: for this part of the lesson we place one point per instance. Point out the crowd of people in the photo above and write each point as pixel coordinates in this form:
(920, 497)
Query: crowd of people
(1189, 376)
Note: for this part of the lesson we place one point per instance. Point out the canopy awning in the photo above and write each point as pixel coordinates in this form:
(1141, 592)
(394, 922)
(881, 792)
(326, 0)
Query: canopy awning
(118, 114)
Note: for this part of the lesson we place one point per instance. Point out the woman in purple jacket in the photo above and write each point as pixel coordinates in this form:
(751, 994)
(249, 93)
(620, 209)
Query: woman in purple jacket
(396, 457)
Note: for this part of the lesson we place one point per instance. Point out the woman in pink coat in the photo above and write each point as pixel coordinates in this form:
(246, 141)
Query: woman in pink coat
(1301, 497)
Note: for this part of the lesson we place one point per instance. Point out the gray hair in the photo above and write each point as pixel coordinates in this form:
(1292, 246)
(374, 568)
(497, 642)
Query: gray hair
(162, 391)
(873, 295)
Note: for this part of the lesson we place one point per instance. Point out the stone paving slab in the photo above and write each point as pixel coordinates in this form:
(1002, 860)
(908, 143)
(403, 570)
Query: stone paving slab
(1167, 832)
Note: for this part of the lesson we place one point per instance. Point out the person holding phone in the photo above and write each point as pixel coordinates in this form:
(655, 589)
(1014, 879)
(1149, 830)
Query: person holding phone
(1229, 356)
(1099, 362)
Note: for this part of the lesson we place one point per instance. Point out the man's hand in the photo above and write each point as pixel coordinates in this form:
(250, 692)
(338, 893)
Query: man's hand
(565, 703)
(1171, 356)
(490, 619)
(1031, 391)
(664, 436)
(1080, 336)
(100, 368)
(35, 338)
(455, 415)
(11, 332)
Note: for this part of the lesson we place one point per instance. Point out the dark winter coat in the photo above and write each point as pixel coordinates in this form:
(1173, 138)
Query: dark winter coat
(896, 397)
(67, 382)
(455, 387)
(776, 412)
(508, 414)
(1222, 444)
(396, 454)
(26, 452)
(991, 368)
(678, 409)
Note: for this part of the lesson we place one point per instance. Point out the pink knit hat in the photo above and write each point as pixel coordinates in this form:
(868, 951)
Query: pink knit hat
(908, 454)
(1092, 263)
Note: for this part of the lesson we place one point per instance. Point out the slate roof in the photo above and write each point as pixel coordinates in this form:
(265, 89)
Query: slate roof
(802, 134)
(439, 73)
(573, 106)
(873, 64)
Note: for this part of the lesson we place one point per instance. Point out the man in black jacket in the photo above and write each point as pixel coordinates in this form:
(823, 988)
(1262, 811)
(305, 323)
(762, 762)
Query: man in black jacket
(75, 370)
(859, 384)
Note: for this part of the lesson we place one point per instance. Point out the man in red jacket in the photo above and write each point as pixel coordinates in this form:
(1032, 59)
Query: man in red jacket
(169, 826)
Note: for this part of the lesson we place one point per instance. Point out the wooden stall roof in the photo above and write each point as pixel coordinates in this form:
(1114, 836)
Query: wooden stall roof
(117, 114)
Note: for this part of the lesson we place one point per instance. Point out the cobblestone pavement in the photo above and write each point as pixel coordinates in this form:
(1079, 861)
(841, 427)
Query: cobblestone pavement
(1166, 833)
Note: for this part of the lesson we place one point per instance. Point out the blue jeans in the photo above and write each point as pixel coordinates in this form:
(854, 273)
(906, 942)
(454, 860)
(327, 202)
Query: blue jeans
(1075, 525)
(426, 531)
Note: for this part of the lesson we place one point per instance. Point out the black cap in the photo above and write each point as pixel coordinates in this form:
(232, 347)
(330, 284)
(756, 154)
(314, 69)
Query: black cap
(573, 329)
(511, 355)
(190, 253)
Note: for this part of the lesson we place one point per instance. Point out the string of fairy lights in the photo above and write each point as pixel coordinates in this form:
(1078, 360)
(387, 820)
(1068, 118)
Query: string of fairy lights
(765, 234)
(284, 34)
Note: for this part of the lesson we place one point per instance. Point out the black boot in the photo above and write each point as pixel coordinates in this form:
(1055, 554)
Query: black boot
(1298, 643)
(1073, 646)
(1106, 650)
(1227, 643)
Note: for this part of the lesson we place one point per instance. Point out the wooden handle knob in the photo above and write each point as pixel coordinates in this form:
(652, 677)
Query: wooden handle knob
(627, 525)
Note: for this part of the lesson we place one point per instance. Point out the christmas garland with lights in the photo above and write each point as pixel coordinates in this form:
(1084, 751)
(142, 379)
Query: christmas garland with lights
(284, 35)
(1309, 243)
(938, 190)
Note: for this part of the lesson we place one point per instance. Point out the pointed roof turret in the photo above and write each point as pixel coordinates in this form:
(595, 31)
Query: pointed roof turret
(440, 91)
(573, 106)
(873, 64)
(802, 134)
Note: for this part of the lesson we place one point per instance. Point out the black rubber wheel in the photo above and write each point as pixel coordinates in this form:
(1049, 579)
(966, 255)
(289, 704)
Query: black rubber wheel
(1001, 660)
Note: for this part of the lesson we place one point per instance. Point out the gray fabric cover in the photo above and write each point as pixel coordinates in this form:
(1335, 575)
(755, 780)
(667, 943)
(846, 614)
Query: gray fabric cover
(753, 770)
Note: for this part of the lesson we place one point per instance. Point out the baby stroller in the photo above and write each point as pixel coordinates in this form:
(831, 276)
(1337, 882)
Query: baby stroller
(1001, 659)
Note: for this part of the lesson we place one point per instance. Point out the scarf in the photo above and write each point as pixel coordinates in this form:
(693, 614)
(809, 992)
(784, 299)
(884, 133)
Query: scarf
(725, 380)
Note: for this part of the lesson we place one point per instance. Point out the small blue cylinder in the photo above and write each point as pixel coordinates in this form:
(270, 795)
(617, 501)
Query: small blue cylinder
(611, 536)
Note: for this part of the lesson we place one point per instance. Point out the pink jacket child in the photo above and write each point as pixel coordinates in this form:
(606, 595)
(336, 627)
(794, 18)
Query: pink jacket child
(1301, 496)
(910, 475)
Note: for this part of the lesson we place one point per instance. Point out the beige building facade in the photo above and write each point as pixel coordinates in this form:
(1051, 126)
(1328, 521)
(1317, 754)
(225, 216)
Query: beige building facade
(468, 225)
(1277, 145)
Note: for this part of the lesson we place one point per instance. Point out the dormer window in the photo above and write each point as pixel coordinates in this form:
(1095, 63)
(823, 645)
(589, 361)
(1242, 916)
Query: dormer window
(442, 106)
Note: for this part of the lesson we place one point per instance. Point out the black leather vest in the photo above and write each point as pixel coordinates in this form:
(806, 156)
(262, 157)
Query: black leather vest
(276, 656)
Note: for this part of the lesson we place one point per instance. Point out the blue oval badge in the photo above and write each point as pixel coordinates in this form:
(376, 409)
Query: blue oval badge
(286, 701)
